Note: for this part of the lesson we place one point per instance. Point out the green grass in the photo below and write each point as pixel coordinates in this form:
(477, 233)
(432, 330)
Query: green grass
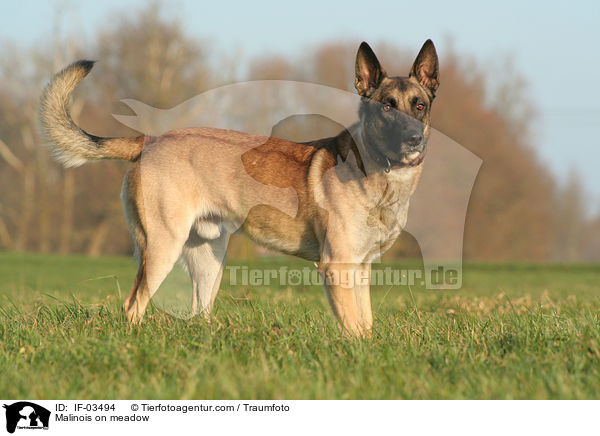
(513, 331)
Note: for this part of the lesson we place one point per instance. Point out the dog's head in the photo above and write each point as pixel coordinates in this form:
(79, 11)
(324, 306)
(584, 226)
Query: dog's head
(395, 111)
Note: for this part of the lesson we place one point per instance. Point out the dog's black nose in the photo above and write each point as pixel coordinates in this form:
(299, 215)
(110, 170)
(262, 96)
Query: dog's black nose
(415, 140)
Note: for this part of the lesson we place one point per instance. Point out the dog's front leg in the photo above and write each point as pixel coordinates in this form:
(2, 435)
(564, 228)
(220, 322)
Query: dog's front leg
(348, 292)
(362, 292)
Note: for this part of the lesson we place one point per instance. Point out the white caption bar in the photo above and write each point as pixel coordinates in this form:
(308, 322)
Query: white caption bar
(23, 417)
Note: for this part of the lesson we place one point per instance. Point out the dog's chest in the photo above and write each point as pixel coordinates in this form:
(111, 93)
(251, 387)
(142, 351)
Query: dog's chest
(388, 214)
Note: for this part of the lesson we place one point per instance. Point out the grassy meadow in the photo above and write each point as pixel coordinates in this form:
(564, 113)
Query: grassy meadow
(514, 331)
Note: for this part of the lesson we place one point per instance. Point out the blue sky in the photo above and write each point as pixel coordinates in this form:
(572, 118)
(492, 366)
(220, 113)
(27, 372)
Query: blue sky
(554, 46)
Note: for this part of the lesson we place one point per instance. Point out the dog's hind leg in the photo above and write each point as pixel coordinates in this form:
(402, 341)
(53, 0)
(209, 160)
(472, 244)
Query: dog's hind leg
(205, 260)
(136, 227)
(160, 256)
(136, 284)
(159, 229)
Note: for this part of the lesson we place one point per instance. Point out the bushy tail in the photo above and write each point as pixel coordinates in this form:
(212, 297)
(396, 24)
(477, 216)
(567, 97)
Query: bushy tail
(71, 145)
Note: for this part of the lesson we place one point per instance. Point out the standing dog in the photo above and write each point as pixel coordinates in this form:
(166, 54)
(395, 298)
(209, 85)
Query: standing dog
(341, 201)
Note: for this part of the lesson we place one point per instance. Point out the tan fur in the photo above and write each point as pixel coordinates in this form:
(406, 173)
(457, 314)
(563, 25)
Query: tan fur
(189, 189)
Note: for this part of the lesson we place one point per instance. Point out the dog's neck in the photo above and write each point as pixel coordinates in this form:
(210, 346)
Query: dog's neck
(349, 141)
(352, 140)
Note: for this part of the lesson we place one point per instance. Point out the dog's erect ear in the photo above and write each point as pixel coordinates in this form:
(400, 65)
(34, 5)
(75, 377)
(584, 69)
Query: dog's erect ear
(426, 67)
(368, 71)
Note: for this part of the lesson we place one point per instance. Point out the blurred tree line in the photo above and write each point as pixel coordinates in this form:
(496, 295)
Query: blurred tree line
(516, 212)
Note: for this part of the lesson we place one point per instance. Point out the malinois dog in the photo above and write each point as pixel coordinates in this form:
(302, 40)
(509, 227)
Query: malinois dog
(345, 198)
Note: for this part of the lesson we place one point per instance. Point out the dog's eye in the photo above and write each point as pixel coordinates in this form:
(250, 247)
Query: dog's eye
(386, 107)
(420, 106)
